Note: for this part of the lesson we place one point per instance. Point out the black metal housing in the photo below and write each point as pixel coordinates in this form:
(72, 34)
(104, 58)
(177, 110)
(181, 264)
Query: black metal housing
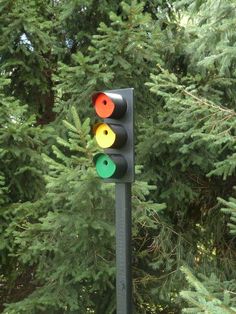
(121, 133)
(126, 150)
(121, 165)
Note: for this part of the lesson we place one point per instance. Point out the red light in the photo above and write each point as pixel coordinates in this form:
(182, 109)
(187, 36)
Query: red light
(104, 106)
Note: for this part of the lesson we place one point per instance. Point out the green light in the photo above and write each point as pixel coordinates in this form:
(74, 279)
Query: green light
(105, 166)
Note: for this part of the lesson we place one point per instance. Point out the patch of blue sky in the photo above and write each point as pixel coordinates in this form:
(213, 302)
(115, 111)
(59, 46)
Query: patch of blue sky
(25, 41)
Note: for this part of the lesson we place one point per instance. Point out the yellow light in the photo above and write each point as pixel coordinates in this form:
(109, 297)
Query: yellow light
(105, 136)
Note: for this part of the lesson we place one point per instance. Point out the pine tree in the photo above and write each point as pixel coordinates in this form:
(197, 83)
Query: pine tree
(72, 244)
(179, 57)
(21, 180)
(211, 296)
(194, 134)
(26, 95)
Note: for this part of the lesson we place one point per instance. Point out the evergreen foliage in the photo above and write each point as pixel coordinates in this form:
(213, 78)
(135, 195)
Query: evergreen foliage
(57, 218)
(78, 213)
(211, 296)
(21, 173)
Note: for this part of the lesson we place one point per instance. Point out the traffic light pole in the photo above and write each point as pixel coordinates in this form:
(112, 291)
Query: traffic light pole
(116, 164)
(123, 249)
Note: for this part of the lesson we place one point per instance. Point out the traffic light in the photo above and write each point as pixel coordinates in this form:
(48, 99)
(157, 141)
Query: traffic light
(115, 134)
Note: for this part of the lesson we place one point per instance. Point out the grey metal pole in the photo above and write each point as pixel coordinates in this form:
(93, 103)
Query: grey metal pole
(123, 249)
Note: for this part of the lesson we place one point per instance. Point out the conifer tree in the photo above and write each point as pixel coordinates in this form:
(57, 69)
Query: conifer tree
(78, 214)
(194, 132)
(179, 57)
(21, 180)
(211, 296)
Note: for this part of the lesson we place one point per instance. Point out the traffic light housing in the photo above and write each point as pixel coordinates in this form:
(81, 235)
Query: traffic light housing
(115, 134)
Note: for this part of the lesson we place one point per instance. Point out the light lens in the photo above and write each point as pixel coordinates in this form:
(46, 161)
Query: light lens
(105, 166)
(105, 136)
(104, 106)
